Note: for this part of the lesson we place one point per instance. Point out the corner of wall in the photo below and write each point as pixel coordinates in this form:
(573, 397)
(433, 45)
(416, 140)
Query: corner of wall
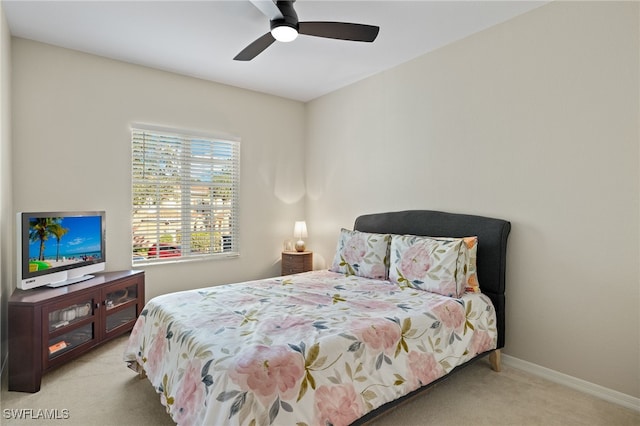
(6, 192)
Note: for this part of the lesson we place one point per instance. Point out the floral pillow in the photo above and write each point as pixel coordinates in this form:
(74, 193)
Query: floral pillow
(471, 276)
(428, 264)
(362, 254)
(467, 271)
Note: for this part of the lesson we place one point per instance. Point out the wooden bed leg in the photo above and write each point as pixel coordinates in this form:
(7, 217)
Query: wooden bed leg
(495, 360)
(137, 368)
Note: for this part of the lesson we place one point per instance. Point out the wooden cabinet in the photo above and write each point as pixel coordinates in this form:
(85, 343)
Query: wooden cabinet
(294, 262)
(51, 326)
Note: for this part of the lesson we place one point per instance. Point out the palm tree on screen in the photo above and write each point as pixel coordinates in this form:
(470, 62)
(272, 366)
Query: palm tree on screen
(40, 229)
(58, 231)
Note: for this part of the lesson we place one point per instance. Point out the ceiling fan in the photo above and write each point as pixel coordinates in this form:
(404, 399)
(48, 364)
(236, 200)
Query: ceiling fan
(286, 27)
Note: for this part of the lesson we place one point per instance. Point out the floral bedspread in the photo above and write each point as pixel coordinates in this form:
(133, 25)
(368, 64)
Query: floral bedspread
(316, 348)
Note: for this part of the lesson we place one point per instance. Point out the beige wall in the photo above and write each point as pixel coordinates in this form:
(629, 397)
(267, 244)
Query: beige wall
(6, 209)
(534, 121)
(71, 120)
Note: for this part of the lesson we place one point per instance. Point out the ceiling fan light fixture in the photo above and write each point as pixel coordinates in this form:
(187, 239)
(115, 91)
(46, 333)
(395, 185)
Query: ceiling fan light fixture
(285, 26)
(284, 33)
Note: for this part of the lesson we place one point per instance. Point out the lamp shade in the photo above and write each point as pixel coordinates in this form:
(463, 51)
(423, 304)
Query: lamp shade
(300, 229)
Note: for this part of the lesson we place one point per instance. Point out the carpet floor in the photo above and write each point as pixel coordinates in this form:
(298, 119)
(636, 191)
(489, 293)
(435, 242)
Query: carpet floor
(98, 389)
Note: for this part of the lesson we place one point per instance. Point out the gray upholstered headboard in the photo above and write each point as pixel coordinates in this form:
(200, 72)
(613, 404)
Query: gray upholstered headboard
(492, 243)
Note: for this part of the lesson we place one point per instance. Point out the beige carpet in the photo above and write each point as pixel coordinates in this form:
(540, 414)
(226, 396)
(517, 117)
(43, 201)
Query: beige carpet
(97, 389)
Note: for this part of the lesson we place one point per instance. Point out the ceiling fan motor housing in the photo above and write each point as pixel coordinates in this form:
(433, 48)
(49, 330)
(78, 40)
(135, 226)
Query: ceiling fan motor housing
(289, 16)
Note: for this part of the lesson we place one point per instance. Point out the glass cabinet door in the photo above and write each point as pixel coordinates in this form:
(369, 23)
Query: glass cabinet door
(68, 325)
(121, 306)
(70, 314)
(61, 344)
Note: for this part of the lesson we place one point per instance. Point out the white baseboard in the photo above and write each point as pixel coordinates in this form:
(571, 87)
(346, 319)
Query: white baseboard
(598, 391)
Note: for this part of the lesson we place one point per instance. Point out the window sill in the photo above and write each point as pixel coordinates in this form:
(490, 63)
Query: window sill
(221, 256)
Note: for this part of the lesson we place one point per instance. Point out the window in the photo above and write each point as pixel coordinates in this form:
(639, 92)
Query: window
(184, 196)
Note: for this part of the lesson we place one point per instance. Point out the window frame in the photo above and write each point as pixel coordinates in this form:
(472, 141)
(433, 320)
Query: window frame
(183, 160)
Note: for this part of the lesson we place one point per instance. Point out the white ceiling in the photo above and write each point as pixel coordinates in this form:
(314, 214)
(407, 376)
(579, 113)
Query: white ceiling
(200, 38)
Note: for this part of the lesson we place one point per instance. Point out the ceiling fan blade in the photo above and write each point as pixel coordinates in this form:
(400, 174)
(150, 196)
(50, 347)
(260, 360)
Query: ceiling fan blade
(268, 8)
(255, 48)
(340, 30)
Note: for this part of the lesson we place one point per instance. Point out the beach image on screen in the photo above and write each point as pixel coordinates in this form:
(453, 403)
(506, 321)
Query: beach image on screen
(61, 241)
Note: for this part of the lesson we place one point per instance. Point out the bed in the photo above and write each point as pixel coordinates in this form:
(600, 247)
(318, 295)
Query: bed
(410, 298)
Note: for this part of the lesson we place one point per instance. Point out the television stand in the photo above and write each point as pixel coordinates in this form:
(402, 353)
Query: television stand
(49, 327)
(70, 281)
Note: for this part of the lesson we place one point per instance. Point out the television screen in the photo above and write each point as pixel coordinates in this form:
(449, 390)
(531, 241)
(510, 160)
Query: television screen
(59, 248)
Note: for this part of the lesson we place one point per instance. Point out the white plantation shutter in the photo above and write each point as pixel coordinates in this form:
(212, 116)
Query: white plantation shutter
(184, 196)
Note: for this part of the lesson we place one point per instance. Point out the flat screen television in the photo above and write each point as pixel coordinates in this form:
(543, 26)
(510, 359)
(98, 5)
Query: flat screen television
(59, 248)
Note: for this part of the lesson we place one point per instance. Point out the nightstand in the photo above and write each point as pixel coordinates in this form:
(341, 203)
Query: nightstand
(294, 262)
